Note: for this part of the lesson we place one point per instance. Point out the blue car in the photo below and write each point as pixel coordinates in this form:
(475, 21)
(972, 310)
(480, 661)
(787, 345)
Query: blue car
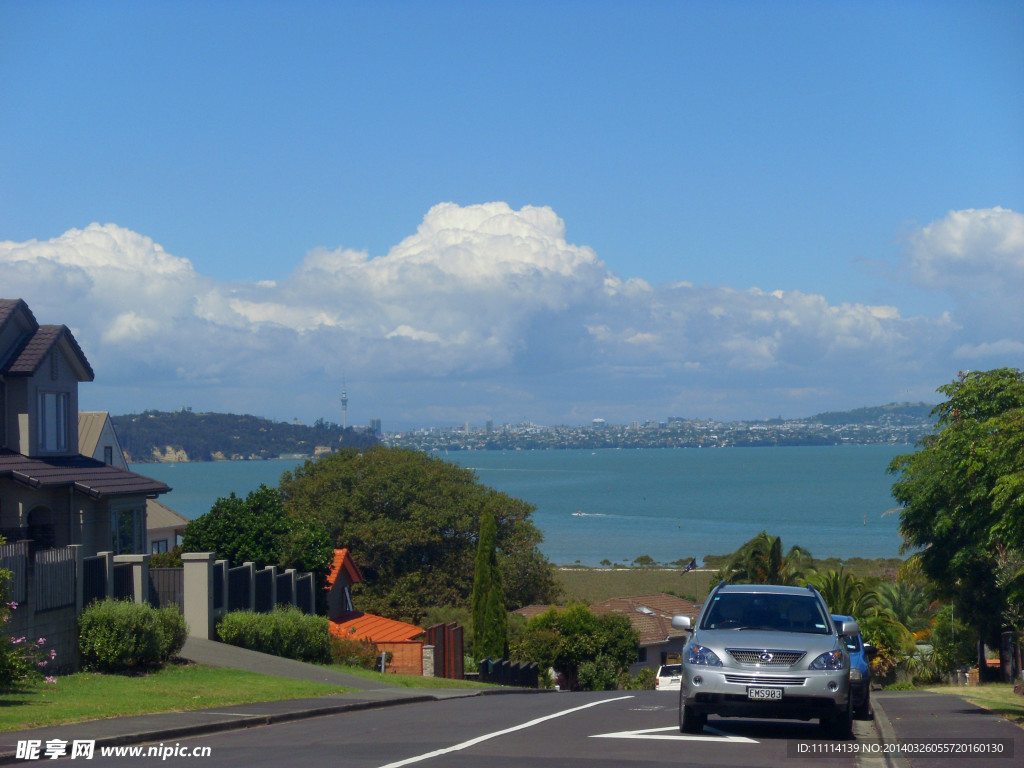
(861, 654)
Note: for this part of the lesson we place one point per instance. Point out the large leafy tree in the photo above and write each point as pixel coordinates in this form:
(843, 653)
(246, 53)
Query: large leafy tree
(962, 494)
(256, 529)
(761, 561)
(412, 523)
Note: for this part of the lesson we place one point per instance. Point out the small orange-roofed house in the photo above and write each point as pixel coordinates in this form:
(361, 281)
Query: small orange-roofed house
(403, 641)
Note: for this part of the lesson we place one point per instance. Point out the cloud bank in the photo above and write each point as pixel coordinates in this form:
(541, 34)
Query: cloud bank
(486, 312)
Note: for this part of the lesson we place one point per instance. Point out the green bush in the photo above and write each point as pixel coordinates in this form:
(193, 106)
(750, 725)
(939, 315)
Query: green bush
(118, 635)
(642, 680)
(354, 653)
(286, 632)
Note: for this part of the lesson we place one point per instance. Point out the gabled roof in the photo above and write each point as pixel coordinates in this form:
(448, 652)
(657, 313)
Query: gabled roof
(343, 563)
(90, 428)
(33, 349)
(161, 516)
(357, 625)
(87, 476)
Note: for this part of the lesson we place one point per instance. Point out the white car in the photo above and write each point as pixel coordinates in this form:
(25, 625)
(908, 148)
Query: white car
(669, 677)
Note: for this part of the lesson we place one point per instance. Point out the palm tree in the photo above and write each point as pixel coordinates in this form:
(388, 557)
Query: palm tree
(847, 594)
(909, 603)
(760, 561)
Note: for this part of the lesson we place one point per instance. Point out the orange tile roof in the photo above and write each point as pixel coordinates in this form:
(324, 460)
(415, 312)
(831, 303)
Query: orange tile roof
(377, 629)
(343, 560)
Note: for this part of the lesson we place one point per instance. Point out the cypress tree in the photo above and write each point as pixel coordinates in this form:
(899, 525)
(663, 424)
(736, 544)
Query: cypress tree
(489, 621)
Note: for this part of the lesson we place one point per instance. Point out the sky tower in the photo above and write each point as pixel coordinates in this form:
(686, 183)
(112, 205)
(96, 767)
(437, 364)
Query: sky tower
(344, 405)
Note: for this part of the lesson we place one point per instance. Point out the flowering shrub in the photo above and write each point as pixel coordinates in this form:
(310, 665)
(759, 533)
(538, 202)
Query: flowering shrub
(21, 660)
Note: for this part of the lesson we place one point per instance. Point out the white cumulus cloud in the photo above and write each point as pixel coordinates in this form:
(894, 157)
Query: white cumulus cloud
(489, 310)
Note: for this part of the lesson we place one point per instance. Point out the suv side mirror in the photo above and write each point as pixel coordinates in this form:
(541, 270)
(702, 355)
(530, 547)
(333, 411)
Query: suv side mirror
(681, 622)
(870, 651)
(848, 628)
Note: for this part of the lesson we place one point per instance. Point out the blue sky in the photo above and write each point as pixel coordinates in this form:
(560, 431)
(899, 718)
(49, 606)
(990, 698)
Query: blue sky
(746, 209)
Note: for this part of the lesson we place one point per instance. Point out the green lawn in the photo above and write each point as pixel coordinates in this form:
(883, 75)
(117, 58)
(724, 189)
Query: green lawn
(89, 696)
(996, 697)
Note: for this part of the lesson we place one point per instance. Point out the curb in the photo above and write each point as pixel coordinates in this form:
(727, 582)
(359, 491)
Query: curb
(887, 734)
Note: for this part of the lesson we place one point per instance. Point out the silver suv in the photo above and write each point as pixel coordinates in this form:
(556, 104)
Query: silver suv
(766, 651)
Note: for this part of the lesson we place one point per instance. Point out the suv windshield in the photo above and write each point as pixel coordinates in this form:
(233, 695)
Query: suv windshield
(761, 610)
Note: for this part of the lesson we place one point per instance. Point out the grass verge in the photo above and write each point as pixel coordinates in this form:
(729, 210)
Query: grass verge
(995, 697)
(409, 681)
(90, 696)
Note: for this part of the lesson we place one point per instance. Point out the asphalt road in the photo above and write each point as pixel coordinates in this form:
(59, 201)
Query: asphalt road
(584, 730)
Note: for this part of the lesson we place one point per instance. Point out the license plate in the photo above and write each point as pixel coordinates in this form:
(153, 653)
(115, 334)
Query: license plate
(764, 694)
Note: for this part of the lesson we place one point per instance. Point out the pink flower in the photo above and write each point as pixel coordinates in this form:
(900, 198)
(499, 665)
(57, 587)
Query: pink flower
(42, 664)
(17, 640)
(12, 605)
(51, 679)
(53, 654)
(41, 641)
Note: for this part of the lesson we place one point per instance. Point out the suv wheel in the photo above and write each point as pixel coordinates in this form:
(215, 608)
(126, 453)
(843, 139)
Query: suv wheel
(840, 724)
(863, 712)
(690, 721)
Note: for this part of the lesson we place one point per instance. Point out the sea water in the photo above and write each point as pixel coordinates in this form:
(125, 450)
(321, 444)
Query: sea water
(618, 505)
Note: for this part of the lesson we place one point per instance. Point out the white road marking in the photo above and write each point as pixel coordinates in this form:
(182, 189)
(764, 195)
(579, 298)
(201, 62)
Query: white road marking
(657, 734)
(485, 737)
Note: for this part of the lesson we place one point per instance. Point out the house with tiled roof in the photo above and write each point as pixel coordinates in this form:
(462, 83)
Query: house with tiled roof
(50, 493)
(651, 616)
(403, 641)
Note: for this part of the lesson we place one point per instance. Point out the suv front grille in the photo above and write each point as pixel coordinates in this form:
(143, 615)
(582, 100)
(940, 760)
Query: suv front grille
(764, 680)
(765, 658)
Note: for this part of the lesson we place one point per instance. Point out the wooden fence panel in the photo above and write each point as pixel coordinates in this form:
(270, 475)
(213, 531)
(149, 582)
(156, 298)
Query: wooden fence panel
(54, 582)
(14, 558)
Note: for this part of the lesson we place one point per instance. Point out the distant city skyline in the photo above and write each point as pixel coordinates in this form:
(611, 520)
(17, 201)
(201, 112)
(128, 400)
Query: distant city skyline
(517, 212)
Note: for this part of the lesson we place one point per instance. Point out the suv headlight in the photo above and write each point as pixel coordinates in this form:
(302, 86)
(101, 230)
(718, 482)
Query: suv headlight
(855, 673)
(829, 660)
(698, 654)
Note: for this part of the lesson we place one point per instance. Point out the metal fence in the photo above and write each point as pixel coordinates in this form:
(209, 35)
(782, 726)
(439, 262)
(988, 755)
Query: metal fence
(94, 579)
(124, 581)
(167, 587)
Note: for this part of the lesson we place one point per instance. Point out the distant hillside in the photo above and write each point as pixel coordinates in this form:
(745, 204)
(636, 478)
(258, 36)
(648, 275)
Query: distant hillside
(187, 436)
(892, 415)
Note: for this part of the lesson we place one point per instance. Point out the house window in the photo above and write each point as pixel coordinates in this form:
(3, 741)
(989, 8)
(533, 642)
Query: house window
(108, 454)
(159, 546)
(641, 656)
(125, 529)
(53, 421)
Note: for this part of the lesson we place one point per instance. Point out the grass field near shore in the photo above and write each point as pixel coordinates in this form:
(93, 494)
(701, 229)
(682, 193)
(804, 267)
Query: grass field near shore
(592, 585)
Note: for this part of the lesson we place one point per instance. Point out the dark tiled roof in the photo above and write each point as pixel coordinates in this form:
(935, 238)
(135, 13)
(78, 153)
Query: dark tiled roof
(34, 349)
(8, 307)
(87, 476)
